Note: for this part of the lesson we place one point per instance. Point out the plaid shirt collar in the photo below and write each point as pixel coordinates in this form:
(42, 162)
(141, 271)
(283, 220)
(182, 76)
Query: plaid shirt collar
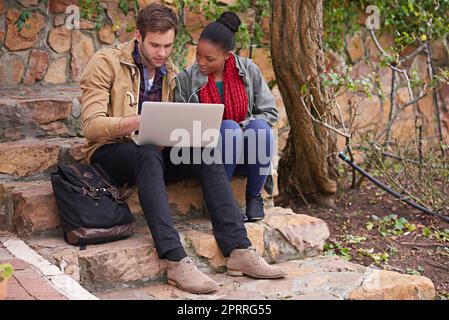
(160, 72)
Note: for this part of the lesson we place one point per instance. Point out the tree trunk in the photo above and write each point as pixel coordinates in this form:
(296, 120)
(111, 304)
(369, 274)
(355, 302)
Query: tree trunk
(307, 167)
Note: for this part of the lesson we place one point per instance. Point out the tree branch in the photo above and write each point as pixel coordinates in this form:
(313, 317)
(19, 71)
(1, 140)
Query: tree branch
(321, 122)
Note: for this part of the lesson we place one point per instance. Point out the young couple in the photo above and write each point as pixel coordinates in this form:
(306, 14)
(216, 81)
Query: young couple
(115, 84)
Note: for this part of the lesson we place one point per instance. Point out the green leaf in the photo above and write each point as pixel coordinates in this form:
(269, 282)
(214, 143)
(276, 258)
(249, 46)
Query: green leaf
(6, 271)
(426, 232)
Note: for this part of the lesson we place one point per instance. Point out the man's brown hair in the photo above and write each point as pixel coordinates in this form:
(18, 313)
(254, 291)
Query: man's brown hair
(156, 17)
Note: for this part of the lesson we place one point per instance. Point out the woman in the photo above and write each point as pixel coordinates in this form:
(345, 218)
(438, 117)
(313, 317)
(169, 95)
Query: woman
(220, 76)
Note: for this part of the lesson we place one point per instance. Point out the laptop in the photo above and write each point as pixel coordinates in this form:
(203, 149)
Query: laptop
(172, 124)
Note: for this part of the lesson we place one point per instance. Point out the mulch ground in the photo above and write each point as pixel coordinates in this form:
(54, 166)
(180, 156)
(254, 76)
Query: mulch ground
(423, 251)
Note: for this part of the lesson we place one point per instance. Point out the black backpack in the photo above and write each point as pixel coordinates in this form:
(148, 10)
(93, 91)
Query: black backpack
(92, 209)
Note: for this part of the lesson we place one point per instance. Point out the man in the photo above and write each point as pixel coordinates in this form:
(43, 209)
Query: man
(115, 84)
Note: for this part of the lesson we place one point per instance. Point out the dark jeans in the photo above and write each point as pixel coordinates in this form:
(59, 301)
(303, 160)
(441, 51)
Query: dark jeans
(150, 169)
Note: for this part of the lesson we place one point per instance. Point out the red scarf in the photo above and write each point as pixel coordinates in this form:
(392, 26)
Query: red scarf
(234, 93)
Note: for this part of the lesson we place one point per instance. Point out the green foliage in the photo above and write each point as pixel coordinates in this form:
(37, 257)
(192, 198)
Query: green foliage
(22, 20)
(434, 233)
(414, 272)
(378, 258)
(391, 225)
(179, 55)
(90, 9)
(337, 249)
(335, 82)
(123, 5)
(410, 21)
(351, 239)
(6, 271)
(339, 17)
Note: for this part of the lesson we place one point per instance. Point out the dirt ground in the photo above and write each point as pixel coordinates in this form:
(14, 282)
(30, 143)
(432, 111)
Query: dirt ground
(417, 245)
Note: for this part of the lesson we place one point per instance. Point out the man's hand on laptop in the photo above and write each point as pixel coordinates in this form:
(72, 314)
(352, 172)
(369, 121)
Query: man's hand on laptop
(128, 125)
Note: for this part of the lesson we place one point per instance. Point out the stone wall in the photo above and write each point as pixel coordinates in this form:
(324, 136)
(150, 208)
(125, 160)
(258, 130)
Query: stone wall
(50, 53)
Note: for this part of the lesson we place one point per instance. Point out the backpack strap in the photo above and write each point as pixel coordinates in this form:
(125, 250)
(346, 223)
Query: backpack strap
(115, 191)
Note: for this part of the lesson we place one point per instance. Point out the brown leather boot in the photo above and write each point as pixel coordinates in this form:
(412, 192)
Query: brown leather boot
(249, 262)
(186, 276)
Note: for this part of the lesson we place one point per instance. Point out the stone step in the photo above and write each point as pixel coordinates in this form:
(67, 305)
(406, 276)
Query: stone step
(40, 111)
(281, 236)
(30, 207)
(317, 278)
(33, 157)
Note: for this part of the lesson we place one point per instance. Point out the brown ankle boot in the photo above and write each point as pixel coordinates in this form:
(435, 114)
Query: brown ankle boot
(249, 262)
(186, 276)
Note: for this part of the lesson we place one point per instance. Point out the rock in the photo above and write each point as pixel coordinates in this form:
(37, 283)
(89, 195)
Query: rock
(129, 260)
(2, 36)
(316, 295)
(386, 76)
(59, 39)
(38, 111)
(45, 112)
(191, 55)
(29, 3)
(2, 7)
(265, 24)
(206, 246)
(419, 64)
(86, 25)
(355, 48)
(283, 119)
(370, 113)
(57, 71)
(37, 65)
(335, 62)
(29, 157)
(185, 196)
(302, 231)
(26, 38)
(273, 250)
(238, 186)
(35, 209)
(59, 6)
(439, 53)
(12, 69)
(59, 20)
(82, 51)
(386, 41)
(261, 57)
(122, 23)
(105, 35)
(305, 280)
(144, 3)
(55, 129)
(256, 236)
(359, 70)
(282, 140)
(388, 285)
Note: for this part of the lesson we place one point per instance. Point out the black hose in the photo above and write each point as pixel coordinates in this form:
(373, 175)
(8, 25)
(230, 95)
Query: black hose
(342, 156)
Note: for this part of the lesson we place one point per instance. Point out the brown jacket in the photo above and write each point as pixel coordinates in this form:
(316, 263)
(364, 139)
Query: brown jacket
(111, 84)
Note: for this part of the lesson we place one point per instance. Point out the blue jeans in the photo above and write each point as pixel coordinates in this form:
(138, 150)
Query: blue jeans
(247, 151)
